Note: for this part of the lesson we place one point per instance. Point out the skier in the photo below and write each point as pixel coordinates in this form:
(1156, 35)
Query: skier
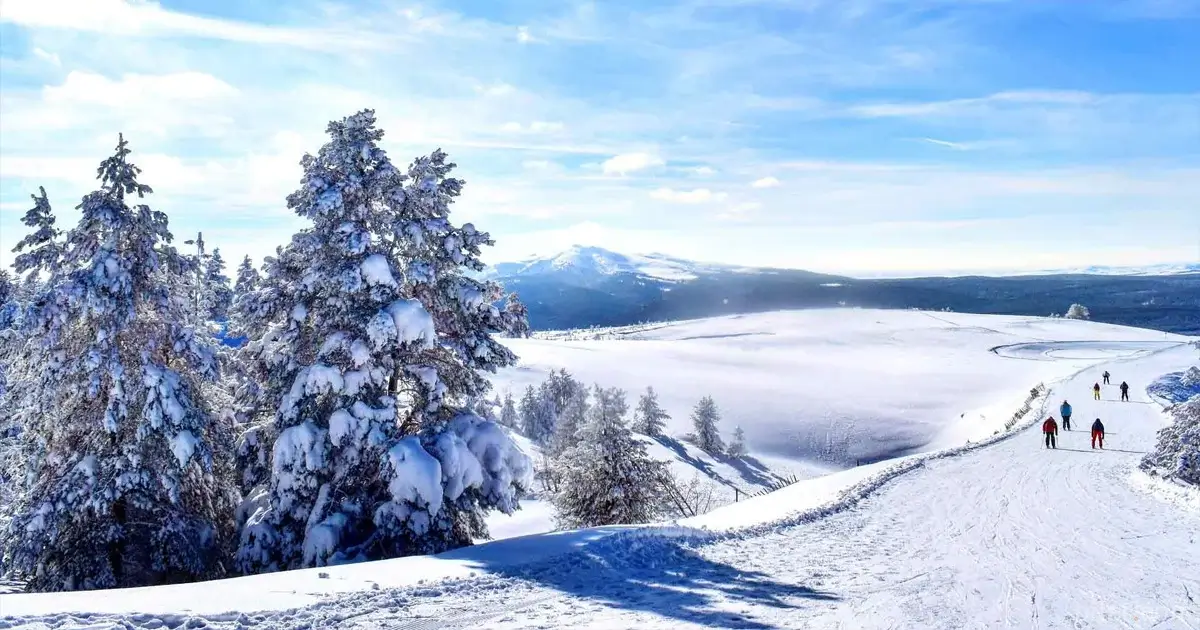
(1050, 428)
(1098, 433)
(1066, 415)
(1106, 375)
(1096, 391)
(1124, 390)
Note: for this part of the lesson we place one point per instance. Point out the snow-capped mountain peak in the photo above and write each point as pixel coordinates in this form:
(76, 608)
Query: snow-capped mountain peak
(590, 261)
(585, 261)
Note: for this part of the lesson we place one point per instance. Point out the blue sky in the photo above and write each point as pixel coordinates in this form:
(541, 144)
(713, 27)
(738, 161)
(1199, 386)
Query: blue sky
(853, 136)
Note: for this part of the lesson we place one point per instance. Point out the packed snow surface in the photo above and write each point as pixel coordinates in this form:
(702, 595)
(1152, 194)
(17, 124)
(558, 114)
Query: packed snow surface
(999, 534)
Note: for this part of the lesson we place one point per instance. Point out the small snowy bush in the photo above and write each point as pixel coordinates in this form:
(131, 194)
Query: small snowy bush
(1191, 378)
(1078, 311)
(1177, 454)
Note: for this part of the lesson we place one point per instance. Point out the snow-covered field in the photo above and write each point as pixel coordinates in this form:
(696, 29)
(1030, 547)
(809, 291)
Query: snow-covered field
(1003, 534)
(830, 388)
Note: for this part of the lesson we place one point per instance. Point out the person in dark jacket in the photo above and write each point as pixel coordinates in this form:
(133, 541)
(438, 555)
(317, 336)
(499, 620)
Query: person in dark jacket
(1106, 375)
(1050, 428)
(1096, 391)
(1098, 433)
(1065, 410)
(1124, 390)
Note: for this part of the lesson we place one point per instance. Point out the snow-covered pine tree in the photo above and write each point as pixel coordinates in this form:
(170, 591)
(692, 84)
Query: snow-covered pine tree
(8, 286)
(242, 306)
(508, 411)
(1078, 311)
(649, 418)
(528, 411)
(371, 336)
(123, 484)
(608, 477)
(561, 387)
(572, 417)
(1177, 453)
(737, 448)
(217, 284)
(705, 418)
(516, 317)
(545, 415)
(41, 249)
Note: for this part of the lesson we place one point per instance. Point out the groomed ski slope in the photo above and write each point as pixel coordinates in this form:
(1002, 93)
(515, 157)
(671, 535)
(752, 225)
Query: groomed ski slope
(1006, 535)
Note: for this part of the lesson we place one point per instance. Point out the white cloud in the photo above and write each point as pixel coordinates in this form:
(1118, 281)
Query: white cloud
(698, 195)
(149, 19)
(630, 162)
(739, 211)
(765, 182)
(946, 143)
(535, 127)
(48, 57)
(91, 105)
(133, 89)
(495, 89)
(523, 35)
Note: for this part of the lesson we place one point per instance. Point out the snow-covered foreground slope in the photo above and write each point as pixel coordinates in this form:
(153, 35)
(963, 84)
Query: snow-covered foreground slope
(829, 387)
(1006, 535)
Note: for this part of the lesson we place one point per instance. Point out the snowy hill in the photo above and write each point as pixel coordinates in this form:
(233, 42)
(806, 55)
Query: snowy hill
(827, 388)
(592, 286)
(1000, 532)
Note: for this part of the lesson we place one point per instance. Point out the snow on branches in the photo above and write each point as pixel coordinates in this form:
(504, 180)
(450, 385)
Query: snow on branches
(125, 486)
(370, 336)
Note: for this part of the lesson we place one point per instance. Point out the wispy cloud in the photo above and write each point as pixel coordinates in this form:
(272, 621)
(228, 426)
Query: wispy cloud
(765, 182)
(630, 162)
(696, 195)
(150, 19)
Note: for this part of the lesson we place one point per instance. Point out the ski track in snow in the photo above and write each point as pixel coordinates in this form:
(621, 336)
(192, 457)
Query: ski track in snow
(1010, 535)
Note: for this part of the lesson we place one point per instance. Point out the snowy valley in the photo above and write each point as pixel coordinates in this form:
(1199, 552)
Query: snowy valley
(966, 521)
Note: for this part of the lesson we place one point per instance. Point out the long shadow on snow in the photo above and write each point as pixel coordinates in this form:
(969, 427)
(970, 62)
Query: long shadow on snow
(751, 470)
(664, 577)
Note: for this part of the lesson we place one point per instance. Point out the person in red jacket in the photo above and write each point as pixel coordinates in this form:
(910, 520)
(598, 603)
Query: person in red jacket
(1097, 433)
(1050, 428)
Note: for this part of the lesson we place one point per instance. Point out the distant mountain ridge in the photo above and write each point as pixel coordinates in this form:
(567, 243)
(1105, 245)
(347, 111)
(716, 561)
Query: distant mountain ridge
(586, 263)
(592, 286)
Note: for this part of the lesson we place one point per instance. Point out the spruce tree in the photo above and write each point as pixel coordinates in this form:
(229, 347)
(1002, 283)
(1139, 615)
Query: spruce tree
(570, 420)
(704, 419)
(125, 486)
(217, 284)
(508, 411)
(737, 448)
(608, 477)
(371, 335)
(649, 418)
(516, 317)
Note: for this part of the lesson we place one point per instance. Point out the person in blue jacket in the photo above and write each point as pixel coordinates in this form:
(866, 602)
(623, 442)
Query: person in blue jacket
(1065, 411)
